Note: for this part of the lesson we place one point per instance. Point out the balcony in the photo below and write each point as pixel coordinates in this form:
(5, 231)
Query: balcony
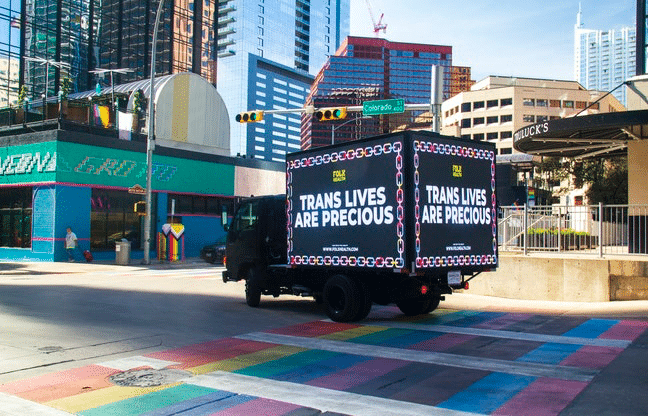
(222, 44)
(226, 10)
(225, 21)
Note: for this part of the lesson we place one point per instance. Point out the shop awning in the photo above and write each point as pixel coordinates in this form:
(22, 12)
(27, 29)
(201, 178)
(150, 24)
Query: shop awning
(581, 137)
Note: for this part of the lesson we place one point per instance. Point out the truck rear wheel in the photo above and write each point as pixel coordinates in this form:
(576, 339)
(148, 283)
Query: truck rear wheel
(434, 301)
(341, 299)
(252, 288)
(416, 306)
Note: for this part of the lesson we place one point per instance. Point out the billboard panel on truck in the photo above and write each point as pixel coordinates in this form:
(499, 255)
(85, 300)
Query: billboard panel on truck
(346, 205)
(455, 203)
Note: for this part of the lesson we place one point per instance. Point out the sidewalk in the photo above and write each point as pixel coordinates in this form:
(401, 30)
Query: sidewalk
(612, 309)
(461, 300)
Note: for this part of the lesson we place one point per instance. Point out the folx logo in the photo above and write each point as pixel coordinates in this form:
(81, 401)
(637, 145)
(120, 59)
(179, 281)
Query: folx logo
(457, 171)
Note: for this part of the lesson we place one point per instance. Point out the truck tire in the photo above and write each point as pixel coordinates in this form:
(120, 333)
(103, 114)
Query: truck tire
(364, 295)
(435, 299)
(341, 299)
(415, 306)
(252, 288)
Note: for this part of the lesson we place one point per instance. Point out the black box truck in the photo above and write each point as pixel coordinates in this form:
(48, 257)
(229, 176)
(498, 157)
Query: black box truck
(400, 218)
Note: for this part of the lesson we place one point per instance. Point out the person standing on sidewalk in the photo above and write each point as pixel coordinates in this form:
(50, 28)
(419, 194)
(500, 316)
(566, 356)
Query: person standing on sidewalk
(70, 244)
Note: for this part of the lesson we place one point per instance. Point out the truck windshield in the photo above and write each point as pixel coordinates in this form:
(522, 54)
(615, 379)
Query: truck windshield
(246, 217)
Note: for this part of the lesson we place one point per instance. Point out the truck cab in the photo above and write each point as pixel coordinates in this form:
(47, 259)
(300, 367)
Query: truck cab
(256, 237)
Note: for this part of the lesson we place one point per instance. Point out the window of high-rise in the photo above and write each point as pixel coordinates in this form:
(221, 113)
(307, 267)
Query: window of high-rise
(53, 40)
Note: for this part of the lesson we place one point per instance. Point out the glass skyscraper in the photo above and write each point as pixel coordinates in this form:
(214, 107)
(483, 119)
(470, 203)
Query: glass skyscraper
(603, 59)
(77, 36)
(365, 69)
(268, 53)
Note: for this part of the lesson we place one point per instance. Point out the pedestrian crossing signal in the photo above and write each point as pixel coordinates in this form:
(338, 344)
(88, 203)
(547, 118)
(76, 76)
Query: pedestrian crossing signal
(249, 117)
(326, 114)
(140, 207)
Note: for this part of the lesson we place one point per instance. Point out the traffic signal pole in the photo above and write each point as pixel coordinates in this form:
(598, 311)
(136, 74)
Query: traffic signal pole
(349, 109)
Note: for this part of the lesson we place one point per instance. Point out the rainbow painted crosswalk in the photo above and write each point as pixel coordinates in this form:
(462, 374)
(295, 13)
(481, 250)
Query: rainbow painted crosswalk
(446, 363)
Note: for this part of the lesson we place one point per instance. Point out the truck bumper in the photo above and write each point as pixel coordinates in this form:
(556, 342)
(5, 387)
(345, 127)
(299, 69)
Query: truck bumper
(226, 276)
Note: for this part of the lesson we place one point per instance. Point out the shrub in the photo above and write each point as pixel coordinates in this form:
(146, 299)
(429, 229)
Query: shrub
(566, 232)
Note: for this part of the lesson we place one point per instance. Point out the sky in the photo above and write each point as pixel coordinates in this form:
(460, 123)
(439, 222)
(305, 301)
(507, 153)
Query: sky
(531, 38)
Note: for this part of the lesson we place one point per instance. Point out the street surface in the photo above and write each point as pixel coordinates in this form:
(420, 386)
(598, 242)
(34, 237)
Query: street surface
(100, 339)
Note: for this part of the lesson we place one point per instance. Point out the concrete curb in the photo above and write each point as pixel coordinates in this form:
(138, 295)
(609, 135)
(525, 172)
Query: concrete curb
(23, 268)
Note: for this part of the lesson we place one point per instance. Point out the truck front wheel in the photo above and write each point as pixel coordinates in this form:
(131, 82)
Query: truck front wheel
(252, 288)
(341, 299)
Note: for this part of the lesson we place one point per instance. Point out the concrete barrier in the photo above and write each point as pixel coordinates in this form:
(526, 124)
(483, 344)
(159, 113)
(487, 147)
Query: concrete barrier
(564, 278)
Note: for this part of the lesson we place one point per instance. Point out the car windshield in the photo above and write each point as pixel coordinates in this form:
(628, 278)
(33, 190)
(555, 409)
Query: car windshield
(222, 239)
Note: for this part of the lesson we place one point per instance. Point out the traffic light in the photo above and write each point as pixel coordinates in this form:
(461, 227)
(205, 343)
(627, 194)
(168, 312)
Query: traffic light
(334, 113)
(140, 207)
(249, 117)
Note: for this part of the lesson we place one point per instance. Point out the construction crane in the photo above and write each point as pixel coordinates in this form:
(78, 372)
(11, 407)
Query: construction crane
(377, 26)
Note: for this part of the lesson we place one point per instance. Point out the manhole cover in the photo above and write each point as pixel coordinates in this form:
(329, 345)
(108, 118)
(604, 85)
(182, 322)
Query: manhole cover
(148, 377)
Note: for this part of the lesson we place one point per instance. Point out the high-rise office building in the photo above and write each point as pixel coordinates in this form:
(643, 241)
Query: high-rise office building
(368, 69)
(268, 53)
(186, 37)
(55, 33)
(603, 59)
(460, 79)
(497, 106)
(8, 81)
(77, 36)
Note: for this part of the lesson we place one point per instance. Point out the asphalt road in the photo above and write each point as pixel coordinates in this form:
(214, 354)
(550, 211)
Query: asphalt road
(62, 324)
(53, 321)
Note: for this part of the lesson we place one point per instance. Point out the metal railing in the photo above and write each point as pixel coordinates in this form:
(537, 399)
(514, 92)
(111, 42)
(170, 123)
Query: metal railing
(585, 229)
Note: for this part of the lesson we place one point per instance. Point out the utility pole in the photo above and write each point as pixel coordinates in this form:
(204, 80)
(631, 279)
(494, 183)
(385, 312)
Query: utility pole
(150, 142)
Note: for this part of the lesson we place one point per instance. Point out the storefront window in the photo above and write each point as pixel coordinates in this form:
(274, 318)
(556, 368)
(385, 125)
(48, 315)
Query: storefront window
(15, 217)
(197, 204)
(113, 218)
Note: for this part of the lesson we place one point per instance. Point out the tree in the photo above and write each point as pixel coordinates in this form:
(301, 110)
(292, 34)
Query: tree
(66, 87)
(22, 95)
(608, 181)
(605, 180)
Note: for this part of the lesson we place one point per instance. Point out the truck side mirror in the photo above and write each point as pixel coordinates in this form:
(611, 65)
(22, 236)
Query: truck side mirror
(224, 218)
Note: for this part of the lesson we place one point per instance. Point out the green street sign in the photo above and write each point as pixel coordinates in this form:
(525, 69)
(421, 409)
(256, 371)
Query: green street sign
(377, 107)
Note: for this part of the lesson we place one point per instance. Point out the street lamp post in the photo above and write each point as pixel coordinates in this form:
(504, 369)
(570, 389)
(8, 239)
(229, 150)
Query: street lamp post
(150, 143)
(60, 106)
(112, 82)
(47, 63)
(25, 111)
